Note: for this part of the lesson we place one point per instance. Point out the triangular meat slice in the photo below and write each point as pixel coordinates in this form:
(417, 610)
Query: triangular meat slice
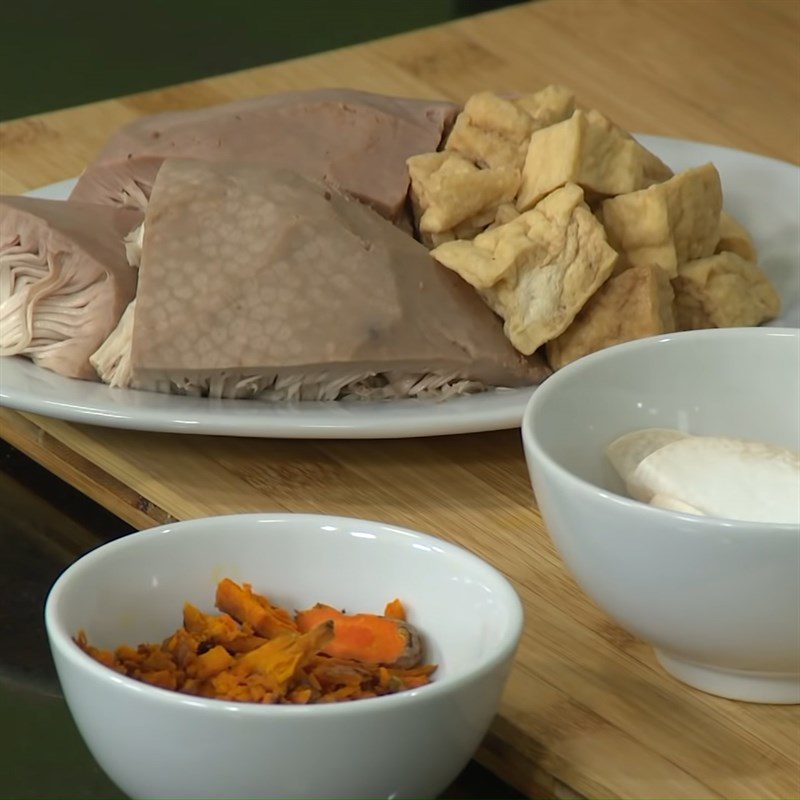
(258, 282)
(356, 141)
(64, 280)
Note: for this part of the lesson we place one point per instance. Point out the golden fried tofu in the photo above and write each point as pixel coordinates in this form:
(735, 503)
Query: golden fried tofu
(483, 261)
(586, 149)
(506, 212)
(654, 170)
(431, 240)
(723, 291)
(448, 189)
(668, 223)
(634, 304)
(491, 131)
(538, 270)
(547, 106)
(471, 227)
(733, 238)
(468, 229)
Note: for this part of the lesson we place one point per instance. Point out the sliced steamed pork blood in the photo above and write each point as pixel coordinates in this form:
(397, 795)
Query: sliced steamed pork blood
(255, 281)
(64, 280)
(356, 141)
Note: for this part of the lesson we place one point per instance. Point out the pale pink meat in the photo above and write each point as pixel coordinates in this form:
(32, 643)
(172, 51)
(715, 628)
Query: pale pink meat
(64, 280)
(353, 140)
(255, 281)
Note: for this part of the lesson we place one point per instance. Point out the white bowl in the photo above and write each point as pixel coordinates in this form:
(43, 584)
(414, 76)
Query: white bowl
(157, 743)
(719, 600)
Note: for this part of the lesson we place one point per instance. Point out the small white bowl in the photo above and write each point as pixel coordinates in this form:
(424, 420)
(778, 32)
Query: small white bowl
(157, 743)
(719, 600)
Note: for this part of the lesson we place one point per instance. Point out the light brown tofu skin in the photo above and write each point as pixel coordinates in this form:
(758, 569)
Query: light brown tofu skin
(248, 269)
(88, 283)
(356, 141)
(448, 190)
(668, 223)
(723, 291)
(632, 305)
(591, 151)
(491, 131)
(734, 238)
(538, 270)
(548, 106)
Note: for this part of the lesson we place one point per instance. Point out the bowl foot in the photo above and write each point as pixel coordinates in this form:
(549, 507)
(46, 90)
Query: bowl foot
(752, 687)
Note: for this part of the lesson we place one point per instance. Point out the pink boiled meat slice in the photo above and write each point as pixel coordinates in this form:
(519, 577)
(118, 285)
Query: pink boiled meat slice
(256, 282)
(356, 141)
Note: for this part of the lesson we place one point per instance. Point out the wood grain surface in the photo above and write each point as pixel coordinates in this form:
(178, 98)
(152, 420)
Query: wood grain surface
(586, 704)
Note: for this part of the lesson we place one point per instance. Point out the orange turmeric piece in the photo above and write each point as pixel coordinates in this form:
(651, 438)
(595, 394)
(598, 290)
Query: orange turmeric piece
(257, 652)
(211, 663)
(221, 628)
(370, 638)
(245, 607)
(280, 658)
(395, 610)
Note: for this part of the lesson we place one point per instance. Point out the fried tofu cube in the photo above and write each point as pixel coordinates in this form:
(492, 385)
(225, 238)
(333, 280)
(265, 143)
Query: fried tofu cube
(547, 106)
(448, 189)
(733, 238)
(491, 131)
(723, 291)
(654, 170)
(538, 270)
(470, 228)
(506, 212)
(586, 149)
(483, 261)
(431, 240)
(668, 223)
(634, 304)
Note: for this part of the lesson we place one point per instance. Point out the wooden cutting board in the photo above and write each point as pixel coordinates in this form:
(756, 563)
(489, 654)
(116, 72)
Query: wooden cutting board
(586, 705)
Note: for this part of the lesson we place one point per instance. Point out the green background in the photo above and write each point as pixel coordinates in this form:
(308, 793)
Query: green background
(56, 53)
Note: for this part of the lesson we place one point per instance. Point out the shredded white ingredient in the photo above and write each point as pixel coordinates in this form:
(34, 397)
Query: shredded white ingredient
(112, 360)
(32, 317)
(133, 246)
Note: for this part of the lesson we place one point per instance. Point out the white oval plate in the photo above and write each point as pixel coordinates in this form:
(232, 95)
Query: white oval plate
(759, 191)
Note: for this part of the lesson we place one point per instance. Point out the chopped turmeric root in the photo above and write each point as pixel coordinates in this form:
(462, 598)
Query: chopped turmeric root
(256, 652)
(210, 663)
(246, 607)
(365, 637)
(280, 658)
(395, 610)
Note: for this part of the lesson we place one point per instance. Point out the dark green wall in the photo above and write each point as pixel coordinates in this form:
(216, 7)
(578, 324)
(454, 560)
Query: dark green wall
(57, 53)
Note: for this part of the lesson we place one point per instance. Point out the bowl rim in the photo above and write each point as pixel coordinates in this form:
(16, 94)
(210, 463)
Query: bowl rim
(707, 525)
(61, 640)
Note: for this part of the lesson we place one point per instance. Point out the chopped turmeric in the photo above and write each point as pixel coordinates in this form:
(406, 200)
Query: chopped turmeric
(244, 644)
(257, 652)
(163, 678)
(208, 627)
(244, 606)
(365, 637)
(395, 610)
(210, 663)
(280, 658)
